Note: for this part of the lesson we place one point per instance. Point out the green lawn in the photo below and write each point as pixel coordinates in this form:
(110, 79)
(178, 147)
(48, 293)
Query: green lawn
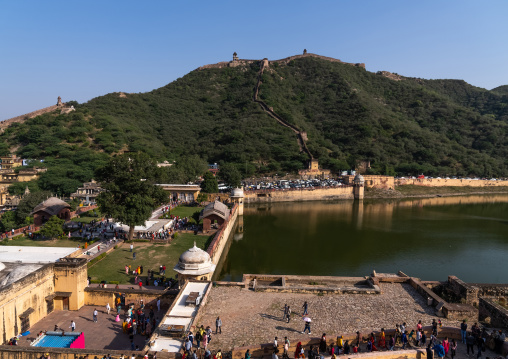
(25, 241)
(84, 219)
(185, 211)
(150, 256)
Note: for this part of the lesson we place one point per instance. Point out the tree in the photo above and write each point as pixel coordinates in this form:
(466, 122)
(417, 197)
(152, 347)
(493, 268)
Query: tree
(202, 197)
(130, 193)
(230, 175)
(8, 221)
(209, 184)
(53, 227)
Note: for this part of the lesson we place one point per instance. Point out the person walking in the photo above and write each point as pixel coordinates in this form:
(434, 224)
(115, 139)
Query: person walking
(285, 311)
(305, 308)
(108, 308)
(158, 304)
(288, 315)
(95, 315)
(73, 326)
(463, 331)
(453, 348)
(132, 247)
(218, 325)
(307, 327)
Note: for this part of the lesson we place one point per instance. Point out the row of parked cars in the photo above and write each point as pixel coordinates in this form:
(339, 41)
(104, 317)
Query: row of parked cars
(289, 184)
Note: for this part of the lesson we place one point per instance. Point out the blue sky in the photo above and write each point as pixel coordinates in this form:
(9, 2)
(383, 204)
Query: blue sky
(81, 50)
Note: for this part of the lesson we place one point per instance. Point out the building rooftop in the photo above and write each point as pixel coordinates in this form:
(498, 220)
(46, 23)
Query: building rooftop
(217, 208)
(34, 255)
(51, 206)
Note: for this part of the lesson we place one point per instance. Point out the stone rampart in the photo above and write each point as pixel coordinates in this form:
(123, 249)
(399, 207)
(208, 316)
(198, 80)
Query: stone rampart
(299, 194)
(373, 181)
(331, 59)
(464, 291)
(442, 182)
(6, 123)
(450, 310)
(102, 296)
(221, 237)
(239, 62)
(489, 308)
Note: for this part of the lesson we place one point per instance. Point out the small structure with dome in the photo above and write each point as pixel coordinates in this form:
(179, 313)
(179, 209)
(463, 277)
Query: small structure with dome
(237, 196)
(358, 183)
(194, 264)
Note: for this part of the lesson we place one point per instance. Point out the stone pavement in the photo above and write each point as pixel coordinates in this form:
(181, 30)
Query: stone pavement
(105, 334)
(256, 317)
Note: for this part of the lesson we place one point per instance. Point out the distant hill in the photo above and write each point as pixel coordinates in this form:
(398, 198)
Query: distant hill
(401, 125)
(500, 90)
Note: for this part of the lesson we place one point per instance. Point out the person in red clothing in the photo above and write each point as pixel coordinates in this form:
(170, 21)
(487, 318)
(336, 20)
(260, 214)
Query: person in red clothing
(140, 284)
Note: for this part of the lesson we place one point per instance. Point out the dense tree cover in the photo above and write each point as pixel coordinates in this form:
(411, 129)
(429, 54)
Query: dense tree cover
(209, 184)
(131, 194)
(53, 227)
(438, 127)
(230, 175)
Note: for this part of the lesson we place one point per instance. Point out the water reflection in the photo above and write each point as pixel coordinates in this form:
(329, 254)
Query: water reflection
(429, 237)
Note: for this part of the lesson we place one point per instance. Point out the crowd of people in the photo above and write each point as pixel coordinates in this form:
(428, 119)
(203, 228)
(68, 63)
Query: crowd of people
(202, 337)
(403, 337)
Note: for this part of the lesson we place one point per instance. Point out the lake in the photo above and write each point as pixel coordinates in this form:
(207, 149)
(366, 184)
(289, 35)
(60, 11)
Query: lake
(429, 238)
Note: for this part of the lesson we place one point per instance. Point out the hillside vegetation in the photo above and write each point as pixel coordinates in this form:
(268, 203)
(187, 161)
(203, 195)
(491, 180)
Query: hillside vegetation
(438, 127)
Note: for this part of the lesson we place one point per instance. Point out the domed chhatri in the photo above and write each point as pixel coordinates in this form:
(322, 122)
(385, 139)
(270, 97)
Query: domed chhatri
(359, 180)
(237, 196)
(194, 264)
(237, 193)
(358, 190)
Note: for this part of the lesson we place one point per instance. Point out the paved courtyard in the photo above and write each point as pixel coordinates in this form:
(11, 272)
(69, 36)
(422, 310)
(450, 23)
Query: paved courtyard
(105, 334)
(255, 317)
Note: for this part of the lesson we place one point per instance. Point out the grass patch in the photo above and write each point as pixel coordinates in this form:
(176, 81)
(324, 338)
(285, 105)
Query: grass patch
(185, 211)
(148, 255)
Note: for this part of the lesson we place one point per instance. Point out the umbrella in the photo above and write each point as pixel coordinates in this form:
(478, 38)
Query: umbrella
(307, 319)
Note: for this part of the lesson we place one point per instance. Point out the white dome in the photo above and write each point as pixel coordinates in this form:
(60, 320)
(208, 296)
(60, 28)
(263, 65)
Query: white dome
(194, 261)
(237, 192)
(359, 179)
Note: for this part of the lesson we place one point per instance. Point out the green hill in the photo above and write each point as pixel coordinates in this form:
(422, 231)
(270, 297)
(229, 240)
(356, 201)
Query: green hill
(438, 127)
(500, 90)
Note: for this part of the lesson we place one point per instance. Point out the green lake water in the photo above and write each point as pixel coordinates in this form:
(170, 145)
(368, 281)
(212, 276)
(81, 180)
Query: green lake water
(426, 238)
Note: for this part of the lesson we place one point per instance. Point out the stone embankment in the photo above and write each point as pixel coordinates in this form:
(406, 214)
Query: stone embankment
(299, 194)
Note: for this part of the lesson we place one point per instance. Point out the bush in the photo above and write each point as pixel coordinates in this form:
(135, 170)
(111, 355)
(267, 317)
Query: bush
(96, 259)
(175, 235)
(95, 281)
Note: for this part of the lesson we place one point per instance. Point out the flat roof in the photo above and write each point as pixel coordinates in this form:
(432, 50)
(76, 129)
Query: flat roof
(27, 254)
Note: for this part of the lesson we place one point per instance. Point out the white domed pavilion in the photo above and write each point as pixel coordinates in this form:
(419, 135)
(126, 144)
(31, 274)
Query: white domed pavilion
(194, 264)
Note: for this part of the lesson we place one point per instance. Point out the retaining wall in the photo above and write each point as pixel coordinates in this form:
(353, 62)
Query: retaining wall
(441, 182)
(103, 296)
(488, 308)
(221, 237)
(299, 194)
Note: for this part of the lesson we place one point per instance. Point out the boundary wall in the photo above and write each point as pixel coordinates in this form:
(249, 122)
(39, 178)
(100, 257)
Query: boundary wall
(6, 123)
(299, 194)
(441, 182)
(221, 237)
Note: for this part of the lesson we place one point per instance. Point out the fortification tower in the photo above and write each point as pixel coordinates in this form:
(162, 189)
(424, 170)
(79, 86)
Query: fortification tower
(237, 197)
(358, 189)
(59, 101)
